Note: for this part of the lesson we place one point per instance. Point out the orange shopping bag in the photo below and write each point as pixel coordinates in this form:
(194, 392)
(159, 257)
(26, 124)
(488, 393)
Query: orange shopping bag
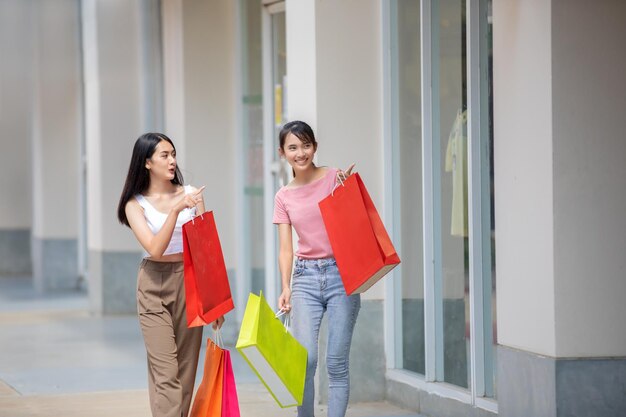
(207, 290)
(362, 248)
(208, 399)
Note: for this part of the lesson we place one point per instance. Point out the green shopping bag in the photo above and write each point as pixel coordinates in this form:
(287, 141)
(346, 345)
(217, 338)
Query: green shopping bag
(277, 358)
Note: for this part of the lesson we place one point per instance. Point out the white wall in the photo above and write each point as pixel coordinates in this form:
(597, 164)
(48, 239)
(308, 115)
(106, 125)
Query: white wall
(560, 176)
(113, 114)
(209, 100)
(301, 61)
(334, 70)
(16, 77)
(173, 74)
(349, 93)
(57, 102)
(589, 100)
(523, 174)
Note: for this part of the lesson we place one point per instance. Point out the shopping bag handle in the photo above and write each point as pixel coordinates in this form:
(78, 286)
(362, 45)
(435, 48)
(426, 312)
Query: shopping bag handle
(283, 312)
(193, 217)
(339, 181)
(217, 338)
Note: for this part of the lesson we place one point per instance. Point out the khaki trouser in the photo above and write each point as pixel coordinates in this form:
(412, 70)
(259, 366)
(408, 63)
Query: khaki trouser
(172, 348)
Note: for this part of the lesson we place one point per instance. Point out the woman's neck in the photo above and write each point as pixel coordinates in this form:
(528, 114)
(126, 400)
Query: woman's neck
(307, 176)
(161, 187)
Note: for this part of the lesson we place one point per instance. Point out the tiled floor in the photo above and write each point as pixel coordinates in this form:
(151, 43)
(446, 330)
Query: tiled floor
(56, 359)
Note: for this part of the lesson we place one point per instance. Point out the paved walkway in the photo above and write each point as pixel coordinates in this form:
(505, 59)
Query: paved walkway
(56, 359)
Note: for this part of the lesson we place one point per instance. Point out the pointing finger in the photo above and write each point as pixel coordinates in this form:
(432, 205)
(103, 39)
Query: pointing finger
(199, 190)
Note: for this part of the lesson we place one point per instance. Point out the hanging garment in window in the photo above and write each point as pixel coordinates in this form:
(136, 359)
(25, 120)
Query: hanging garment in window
(456, 162)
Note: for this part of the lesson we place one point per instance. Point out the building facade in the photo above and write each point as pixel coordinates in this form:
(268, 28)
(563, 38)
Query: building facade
(488, 133)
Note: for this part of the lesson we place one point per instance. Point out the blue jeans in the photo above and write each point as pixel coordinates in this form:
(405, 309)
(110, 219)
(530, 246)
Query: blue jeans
(316, 288)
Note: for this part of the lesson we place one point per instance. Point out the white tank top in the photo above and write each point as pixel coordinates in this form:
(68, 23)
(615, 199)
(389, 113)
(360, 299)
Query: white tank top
(156, 219)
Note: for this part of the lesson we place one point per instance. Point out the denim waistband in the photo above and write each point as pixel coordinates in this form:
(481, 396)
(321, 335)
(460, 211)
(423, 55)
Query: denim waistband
(320, 263)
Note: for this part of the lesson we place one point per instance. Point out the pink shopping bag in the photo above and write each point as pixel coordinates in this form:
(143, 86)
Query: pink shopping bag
(230, 401)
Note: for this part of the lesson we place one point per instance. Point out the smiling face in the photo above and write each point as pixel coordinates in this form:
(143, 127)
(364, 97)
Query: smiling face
(299, 154)
(162, 163)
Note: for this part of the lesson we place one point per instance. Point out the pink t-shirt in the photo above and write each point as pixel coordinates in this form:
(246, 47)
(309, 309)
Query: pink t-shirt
(298, 206)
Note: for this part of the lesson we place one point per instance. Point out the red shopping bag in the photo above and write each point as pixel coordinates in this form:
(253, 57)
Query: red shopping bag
(362, 247)
(208, 399)
(207, 290)
(230, 401)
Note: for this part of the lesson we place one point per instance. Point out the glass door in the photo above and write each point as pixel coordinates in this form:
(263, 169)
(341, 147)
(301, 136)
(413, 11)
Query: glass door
(449, 70)
(274, 116)
(251, 266)
(439, 117)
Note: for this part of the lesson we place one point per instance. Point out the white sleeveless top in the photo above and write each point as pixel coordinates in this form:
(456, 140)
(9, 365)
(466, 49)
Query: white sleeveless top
(156, 219)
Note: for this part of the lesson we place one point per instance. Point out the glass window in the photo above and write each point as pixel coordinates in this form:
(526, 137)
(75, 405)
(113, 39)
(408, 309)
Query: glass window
(406, 70)
(252, 87)
(450, 70)
(446, 336)
(489, 274)
(279, 84)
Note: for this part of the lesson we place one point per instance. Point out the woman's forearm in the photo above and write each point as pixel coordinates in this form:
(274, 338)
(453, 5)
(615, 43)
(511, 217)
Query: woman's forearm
(285, 263)
(161, 240)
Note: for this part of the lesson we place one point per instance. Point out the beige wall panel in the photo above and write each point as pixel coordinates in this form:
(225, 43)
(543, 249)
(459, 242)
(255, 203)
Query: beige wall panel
(523, 175)
(302, 65)
(349, 92)
(16, 77)
(589, 177)
(209, 89)
(113, 117)
(57, 121)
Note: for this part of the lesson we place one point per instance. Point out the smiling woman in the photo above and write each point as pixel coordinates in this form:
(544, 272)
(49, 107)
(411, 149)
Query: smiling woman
(298, 146)
(155, 204)
(317, 286)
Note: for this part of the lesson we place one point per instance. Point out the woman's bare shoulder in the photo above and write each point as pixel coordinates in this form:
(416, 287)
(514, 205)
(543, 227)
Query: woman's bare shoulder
(133, 205)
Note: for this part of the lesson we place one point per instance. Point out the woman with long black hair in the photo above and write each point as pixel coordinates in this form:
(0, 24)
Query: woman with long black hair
(155, 204)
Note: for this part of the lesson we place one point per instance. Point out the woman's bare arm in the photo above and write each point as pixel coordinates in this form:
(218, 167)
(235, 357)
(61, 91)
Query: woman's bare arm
(285, 263)
(156, 244)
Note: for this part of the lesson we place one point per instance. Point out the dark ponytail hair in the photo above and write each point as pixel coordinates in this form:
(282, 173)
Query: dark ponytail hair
(138, 177)
(299, 129)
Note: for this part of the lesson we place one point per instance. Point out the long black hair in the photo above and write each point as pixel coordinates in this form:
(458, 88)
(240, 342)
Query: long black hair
(138, 177)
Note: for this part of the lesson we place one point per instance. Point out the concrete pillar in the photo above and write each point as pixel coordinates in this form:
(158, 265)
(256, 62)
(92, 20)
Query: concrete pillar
(210, 75)
(16, 79)
(122, 70)
(173, 73)
(560, 203)
(334, 71)
(57, 128)
(302, 62)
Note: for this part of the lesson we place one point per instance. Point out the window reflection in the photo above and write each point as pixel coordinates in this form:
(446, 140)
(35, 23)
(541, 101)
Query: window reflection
(453, 178)
(409, 138)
